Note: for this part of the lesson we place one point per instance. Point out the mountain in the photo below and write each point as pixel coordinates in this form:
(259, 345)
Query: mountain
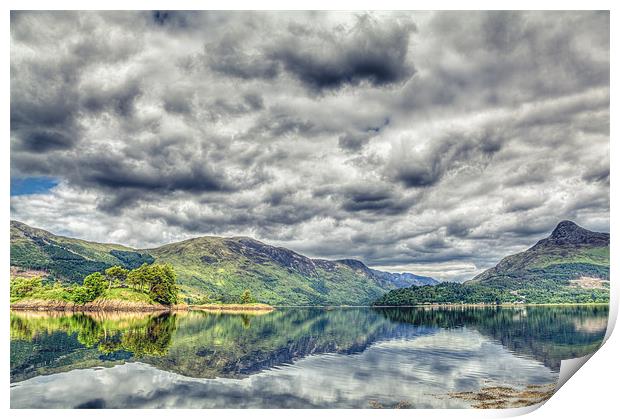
(405, 279)
(67, 258)
(224, 267)
(569, 266)
(568, 253)
(215, 267)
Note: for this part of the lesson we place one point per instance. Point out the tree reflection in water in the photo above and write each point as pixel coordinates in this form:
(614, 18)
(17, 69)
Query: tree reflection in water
(209, 345)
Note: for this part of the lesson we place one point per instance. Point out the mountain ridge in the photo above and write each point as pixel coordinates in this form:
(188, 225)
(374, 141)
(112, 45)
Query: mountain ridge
(211, 267)
(567, 244)
(407, 279)
(571, 265)
(568, 232)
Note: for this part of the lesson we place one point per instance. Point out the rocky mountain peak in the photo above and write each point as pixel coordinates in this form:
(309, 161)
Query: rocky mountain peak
(567, 232)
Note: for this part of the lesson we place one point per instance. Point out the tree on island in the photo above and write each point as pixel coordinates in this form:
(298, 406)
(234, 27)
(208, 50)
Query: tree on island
(246, 297)
(116, 276)
(158, 280)
(93, 286)
(162, 284)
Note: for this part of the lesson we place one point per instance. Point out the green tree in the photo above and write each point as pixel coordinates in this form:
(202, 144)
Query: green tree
(246, 297)
(116, 275)
(158, 280)
(80, 295)
(161, 280)
(136, 278)
(94, 285)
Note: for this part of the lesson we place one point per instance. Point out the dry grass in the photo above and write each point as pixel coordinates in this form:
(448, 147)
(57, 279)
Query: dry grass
(587, 282)
(97, 305)
(17, 272)
(500, 397)
(403, 404)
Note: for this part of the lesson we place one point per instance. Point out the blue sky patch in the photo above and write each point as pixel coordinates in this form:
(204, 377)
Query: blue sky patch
(32, 185)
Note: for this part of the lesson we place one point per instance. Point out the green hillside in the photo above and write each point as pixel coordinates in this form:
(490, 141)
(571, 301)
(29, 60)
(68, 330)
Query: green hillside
(569, 266)
(222, 268)
(66, 258)
(569, 252)
(208, 268)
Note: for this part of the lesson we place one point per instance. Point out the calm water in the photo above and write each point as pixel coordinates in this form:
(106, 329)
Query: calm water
(348, 357)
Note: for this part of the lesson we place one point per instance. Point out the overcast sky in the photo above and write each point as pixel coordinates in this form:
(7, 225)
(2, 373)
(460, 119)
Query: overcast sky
(435, 143)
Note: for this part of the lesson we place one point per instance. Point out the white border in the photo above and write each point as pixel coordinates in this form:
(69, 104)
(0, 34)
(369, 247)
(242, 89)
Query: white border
(592, 393)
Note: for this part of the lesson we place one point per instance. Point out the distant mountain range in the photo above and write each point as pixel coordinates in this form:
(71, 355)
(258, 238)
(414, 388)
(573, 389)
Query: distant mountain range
(215, 267)
(406, 279)
(569, 266)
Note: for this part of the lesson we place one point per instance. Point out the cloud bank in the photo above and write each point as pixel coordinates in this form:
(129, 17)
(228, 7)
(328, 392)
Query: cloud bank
(435, 142)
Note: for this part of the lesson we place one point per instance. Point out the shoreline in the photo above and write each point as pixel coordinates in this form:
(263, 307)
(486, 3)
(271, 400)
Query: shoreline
(130, 306)
(232, 308)
(93, 306)
(451, 305)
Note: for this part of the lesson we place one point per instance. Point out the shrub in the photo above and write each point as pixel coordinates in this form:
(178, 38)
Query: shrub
(94, 285)
(23, 287)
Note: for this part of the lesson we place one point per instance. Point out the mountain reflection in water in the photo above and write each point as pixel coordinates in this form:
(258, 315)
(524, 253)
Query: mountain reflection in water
(291, 357)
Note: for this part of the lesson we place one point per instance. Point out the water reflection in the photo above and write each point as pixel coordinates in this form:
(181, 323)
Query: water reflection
(548, 334)
(292, 358)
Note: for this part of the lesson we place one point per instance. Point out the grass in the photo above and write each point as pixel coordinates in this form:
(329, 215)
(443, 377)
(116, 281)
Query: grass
(592, 256)
(62, 294)
(45, 294)
(55, 297)
(126, 294)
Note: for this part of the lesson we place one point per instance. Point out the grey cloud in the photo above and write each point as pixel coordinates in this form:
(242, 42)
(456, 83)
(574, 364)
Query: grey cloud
(539, 228)
(42, 140)
(194, 178)
(422, 169)
(222, 107)
(375, 199)
(172, 18)
(523, 202)
(322, 58)
(355, 141)
(180, 104)
(278, 123)
(331, 59)
(46, 111)
(492, 63)
(120, 99)
(597, 172)
(229, 58)
(460, 227)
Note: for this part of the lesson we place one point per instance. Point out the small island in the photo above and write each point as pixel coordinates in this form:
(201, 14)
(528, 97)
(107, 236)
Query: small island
(149, 288)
